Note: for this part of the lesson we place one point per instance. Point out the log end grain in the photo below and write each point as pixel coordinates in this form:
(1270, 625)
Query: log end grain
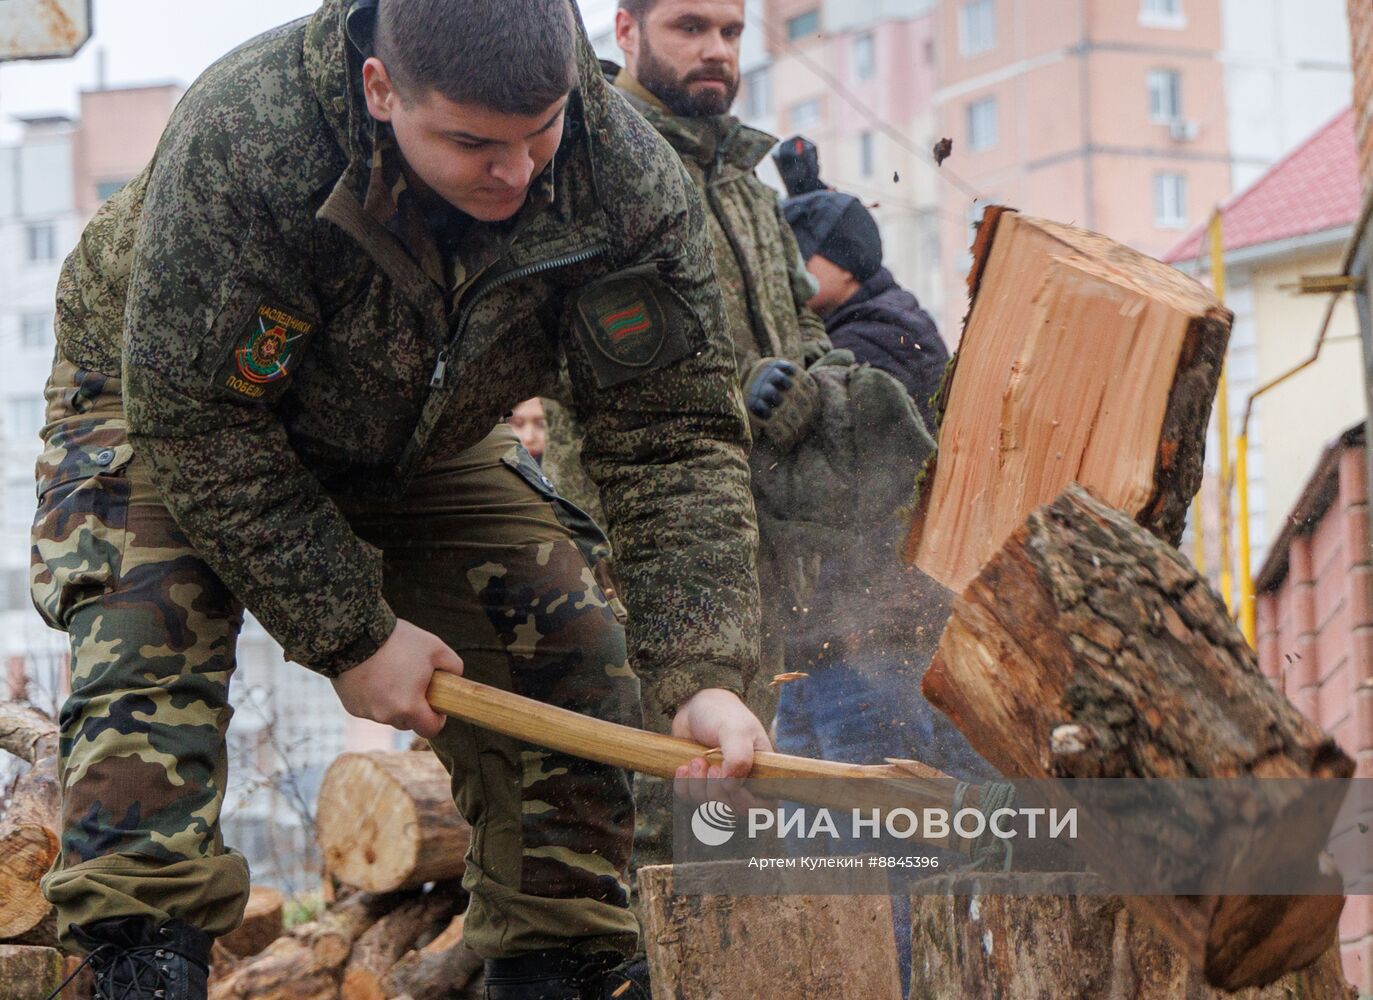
(26, 852)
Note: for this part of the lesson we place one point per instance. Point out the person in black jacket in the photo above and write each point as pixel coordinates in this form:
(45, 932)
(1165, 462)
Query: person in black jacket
(864, 309)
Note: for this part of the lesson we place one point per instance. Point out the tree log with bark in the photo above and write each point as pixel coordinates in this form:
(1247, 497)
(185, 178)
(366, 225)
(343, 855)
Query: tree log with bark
(972, 938)
(386, 821)
(1087, 648)
(29, 829)
(1081, 360)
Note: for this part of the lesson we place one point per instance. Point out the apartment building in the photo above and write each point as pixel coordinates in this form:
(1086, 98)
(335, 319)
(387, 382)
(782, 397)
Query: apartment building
(1110, 114)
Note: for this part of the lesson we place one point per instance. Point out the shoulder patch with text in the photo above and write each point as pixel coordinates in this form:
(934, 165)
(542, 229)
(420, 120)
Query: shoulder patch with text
(265, 353)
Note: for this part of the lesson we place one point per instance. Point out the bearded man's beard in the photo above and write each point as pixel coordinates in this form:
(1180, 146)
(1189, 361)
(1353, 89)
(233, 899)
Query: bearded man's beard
(662, 81)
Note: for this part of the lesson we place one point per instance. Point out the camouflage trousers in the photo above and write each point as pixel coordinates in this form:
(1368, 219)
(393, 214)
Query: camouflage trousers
(480, 551)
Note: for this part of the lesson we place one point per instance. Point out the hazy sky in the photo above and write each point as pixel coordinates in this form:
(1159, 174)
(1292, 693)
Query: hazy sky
(153, 41)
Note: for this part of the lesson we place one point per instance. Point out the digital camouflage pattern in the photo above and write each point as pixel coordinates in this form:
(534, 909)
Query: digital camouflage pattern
(261, 193)
(152, 633)
(296, 372)
(764, 286)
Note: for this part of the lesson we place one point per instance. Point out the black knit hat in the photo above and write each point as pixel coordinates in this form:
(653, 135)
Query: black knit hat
(838, 228)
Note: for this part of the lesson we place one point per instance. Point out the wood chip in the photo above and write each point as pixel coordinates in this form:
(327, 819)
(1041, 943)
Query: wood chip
(787, 678)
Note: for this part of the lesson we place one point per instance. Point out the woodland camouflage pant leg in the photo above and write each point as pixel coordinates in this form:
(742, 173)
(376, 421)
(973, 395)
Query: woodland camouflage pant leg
(483, 553)
(152, 632)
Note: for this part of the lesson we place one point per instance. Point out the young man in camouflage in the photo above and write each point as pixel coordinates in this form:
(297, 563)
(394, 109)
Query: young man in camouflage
(282, 349)
(682, 73)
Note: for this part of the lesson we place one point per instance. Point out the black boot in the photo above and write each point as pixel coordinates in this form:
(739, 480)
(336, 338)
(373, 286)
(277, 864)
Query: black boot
(562, 974)
(134, 959)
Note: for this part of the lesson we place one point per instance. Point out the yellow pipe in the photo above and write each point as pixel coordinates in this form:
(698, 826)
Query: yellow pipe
(1222, 419)
(1247, 595)
(1248, 625)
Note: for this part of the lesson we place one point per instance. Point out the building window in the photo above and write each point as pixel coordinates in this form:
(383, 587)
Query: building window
(805, 115)
(982, 124)
(977, 26)
(803, 25)
(1165, 95)
(867, 155)
(1162, 14)
(1170, 201)
(23, 417)
(758, 92)
(864, 57)
(40, 241)
(35, 331)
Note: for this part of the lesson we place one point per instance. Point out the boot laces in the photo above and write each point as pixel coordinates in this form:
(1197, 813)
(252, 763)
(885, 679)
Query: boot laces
(125, 973)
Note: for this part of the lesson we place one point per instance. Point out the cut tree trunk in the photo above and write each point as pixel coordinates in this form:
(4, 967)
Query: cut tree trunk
(262, 923)
(1087, 648)
(744, 947)
(29, 973)
(442, 966)
(29, 828)
(382, 945)
(1081, 360)
(971, 939)
(386, 820)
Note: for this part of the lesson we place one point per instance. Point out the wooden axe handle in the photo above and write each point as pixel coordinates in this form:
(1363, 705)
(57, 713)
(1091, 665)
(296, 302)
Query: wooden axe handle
(909, 783)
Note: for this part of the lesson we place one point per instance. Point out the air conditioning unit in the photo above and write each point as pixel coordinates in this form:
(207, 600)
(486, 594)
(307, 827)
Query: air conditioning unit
(1181, 130)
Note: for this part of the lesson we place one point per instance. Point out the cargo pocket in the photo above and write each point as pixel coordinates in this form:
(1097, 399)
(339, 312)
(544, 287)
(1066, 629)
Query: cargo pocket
(81, 525)
(585, 532)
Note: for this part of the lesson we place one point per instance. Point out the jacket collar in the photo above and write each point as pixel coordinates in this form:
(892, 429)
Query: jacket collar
(707, 140)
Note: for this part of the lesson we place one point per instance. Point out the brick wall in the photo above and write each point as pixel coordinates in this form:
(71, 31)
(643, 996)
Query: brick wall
(1361, 40)
(1315, 643)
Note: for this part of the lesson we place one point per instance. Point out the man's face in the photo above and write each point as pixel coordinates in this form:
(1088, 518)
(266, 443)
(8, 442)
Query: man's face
(685, 53)
(478, 160)
(529, 423)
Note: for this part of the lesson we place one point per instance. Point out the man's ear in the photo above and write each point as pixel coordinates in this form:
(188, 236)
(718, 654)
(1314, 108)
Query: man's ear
(627, 37)
(377, 88)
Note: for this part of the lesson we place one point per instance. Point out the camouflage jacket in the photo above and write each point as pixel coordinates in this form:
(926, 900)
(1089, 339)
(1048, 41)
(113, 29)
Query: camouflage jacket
(761, 273)
(281, 346)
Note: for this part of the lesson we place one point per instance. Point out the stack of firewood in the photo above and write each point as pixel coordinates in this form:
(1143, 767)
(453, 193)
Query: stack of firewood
(393, 844)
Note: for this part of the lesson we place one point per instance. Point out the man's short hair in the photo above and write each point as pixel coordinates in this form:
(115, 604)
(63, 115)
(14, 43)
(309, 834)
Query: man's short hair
(513, 57)
(637, 8)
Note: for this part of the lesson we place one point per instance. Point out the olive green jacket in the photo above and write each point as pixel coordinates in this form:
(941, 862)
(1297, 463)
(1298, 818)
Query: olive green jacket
(280, 346)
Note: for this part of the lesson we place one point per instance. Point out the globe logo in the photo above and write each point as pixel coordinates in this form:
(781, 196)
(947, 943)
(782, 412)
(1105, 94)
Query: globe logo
(713, 823)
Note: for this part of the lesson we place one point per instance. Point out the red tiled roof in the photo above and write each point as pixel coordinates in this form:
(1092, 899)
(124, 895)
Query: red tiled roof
(1312, 189)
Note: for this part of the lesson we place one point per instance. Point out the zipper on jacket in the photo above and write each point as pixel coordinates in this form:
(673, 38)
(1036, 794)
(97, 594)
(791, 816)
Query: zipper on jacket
(490, 285)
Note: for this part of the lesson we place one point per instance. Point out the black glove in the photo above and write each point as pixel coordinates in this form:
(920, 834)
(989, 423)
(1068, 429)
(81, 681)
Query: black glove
(766, 388)
(780, 397)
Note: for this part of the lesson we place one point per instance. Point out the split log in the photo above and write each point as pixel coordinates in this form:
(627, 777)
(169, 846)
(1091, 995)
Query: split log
(443, 965)
(1081, 360)
(970, 939)
(1087, 648)
(286, 970)
(377, 950)
(262, 923)
(29, 973)
(728, 947)
(305, 964)
(386, 820)
(29, 831)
